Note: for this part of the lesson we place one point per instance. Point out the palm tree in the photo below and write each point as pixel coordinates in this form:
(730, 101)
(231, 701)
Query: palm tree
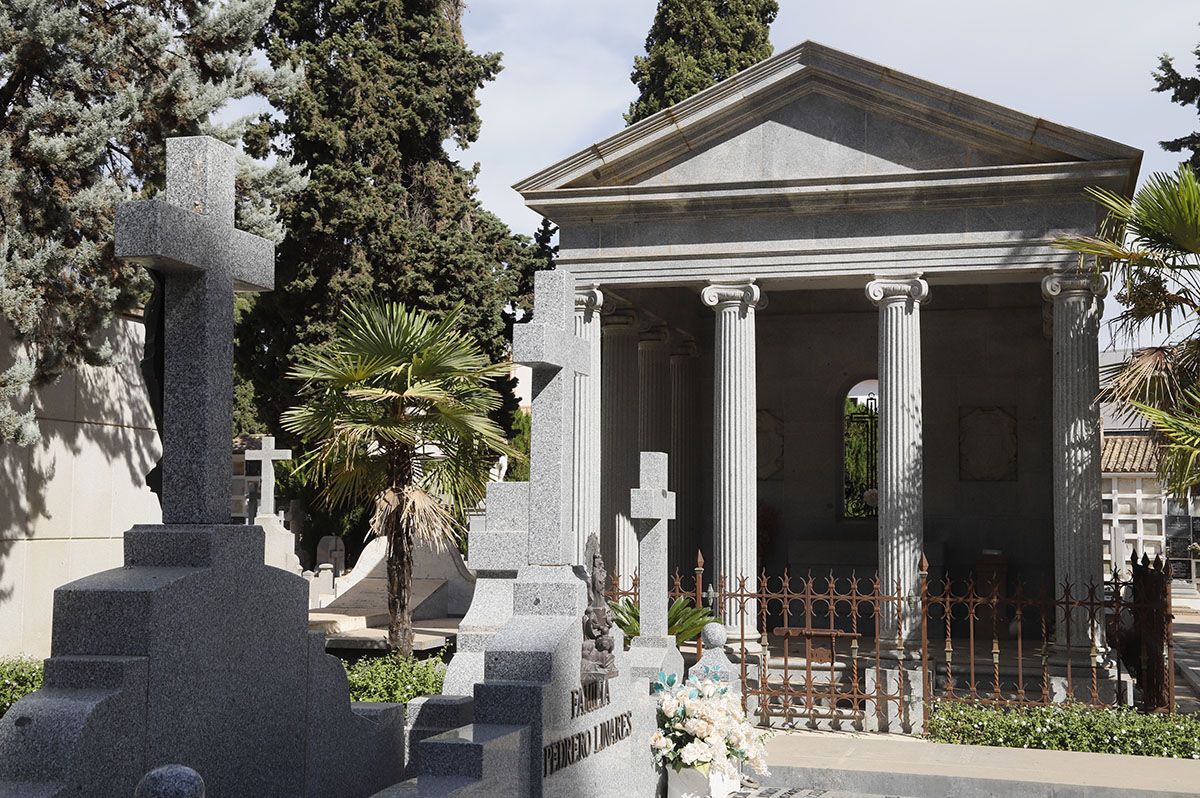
(1151, 244)
(396, 412)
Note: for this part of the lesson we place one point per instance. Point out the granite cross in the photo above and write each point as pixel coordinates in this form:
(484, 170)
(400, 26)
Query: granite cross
(187, 234)
(267, 454)
(549, 346)
(652, 505)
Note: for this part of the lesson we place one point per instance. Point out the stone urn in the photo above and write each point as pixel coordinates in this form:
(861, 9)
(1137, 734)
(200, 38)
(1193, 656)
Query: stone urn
(692, 783)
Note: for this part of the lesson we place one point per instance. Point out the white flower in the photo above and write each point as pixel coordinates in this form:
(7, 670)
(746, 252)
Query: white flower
(695, 753)
(697, 727)
(660, 741)
(669, 705)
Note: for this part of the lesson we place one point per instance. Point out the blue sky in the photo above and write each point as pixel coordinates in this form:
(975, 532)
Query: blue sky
(1082, 63)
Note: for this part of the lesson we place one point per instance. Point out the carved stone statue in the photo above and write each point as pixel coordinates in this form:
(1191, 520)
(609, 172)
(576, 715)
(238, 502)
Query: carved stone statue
(599, 659)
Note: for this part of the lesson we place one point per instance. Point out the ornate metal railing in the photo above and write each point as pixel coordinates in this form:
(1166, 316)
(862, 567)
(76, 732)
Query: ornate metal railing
(847, 652)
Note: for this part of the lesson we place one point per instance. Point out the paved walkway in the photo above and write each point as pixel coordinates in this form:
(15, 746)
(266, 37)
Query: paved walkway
(1187, 656)
(894, 765)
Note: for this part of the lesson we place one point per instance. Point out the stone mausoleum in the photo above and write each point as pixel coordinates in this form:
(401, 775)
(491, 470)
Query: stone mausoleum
(744, 258)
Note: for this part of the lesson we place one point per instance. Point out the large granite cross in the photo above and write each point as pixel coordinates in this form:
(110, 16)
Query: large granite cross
(549, 346)
(187, 234)
(652, 505)
(267, 454)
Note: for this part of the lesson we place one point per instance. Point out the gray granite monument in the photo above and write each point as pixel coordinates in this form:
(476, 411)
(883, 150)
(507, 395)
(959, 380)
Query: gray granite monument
(195, 653)
(539, 729)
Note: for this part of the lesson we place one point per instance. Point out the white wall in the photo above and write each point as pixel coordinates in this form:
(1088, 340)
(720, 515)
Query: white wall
(66, 502)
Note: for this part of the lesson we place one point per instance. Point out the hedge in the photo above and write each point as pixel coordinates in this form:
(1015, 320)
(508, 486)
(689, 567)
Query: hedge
(18, 678)
(1067, 727)
(395, 678)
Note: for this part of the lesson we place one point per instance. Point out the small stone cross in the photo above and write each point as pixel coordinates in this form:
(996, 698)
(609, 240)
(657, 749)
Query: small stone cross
(652, 505)
(267, 454)
(549, 346)
(187, 234)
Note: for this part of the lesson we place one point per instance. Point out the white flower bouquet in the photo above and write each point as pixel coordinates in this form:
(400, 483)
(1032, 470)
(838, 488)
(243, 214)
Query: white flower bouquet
(701, 725)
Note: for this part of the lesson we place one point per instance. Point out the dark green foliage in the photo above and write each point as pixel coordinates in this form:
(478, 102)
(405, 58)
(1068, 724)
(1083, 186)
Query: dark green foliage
(858, 464)
(695, 43)
(89, 91)
(18, 678)
(684, 622)
(1067, 727)
(386, 213)
(395, 678)
(1185, 91)
(522, 428)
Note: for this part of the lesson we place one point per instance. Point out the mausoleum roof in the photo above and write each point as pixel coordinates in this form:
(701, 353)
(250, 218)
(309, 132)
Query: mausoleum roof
(818, 168)
(691, 126)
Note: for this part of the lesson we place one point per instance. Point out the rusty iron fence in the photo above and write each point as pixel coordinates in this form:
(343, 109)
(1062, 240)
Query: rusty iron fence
(847, 652)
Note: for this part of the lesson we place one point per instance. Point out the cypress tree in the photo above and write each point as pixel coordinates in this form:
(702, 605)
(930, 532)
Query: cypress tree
(695, 43)
(386, 211)
(88, 93)
(1185, 91)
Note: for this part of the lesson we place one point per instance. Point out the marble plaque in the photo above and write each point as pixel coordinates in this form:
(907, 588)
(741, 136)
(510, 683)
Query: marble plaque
(987, 444)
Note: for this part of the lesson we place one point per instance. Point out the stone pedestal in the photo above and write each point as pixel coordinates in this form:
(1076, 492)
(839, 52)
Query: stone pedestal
(587, 422)
(684, 535)
(195, 652)
(1078, 556)
(619, 441)
(735, 457)
(900, 468)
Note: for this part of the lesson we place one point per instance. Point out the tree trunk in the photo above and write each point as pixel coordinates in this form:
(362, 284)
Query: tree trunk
(399, 571)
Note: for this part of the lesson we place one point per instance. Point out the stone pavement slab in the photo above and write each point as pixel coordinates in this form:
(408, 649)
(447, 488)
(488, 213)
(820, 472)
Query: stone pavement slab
(885, 765)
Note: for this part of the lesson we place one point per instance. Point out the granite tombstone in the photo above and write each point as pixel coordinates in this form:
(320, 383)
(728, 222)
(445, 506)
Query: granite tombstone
(196, 653)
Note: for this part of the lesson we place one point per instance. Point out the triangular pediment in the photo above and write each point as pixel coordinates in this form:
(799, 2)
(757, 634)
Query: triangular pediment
(814, 112)
(821, 135)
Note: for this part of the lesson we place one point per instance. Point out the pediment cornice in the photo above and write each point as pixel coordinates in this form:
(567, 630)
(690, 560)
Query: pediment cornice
(689, 126)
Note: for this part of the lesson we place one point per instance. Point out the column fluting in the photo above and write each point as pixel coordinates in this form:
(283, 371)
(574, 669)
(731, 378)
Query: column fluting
(1078, 553)
(586, 484)
(683, 478)
(900, 467)
(735, 456)
(619, 435)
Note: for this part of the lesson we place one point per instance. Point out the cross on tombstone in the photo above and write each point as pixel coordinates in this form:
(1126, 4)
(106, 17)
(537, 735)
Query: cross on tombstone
(187, 234)
(267, 454)
(652, 506)
(549, 346)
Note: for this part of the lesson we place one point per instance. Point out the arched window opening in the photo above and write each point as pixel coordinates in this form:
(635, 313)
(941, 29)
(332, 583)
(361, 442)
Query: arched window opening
(860, 442)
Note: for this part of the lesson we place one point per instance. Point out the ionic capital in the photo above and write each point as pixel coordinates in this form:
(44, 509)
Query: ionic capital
(744, 296)
(1065, 284)
(620, 321)
(897, 289)
(657, 334)
(685, 348)
(588, 300)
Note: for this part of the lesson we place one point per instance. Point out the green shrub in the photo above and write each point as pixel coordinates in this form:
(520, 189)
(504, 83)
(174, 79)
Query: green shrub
(395, 678)
(1067, 727)
(684, 622)
(18, 678)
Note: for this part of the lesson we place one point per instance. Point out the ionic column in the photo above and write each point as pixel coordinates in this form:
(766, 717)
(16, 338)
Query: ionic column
(735, 459)
(1076, 423)
(683, 535)
(900, 466)
(654, 380)
(618, 441)
(586, 484)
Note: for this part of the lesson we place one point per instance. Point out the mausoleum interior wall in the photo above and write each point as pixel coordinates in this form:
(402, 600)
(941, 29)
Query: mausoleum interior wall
(982, 347)
(66, 501)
